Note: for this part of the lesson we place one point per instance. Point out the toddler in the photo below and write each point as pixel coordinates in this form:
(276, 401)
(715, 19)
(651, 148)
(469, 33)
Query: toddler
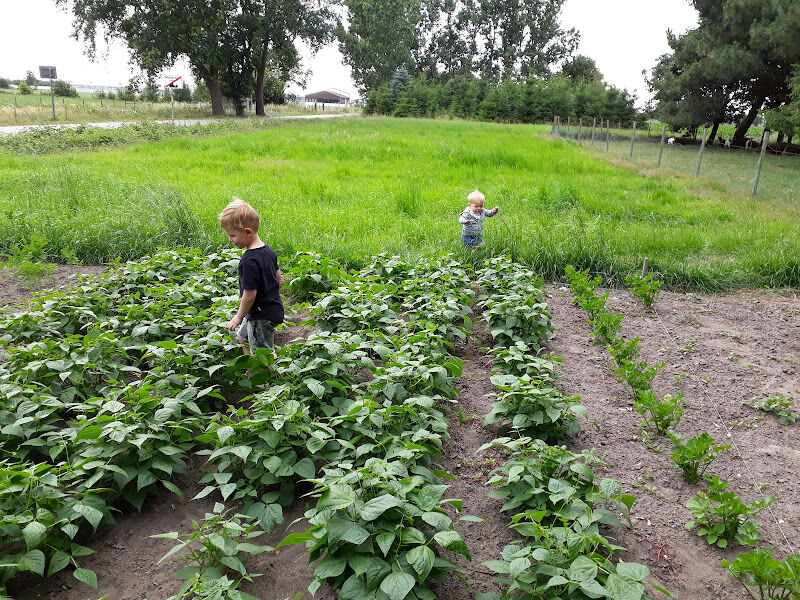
(471, 220)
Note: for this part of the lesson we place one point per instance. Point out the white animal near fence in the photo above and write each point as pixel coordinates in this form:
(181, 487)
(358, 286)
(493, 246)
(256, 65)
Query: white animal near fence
(671, 141)
(727, 143)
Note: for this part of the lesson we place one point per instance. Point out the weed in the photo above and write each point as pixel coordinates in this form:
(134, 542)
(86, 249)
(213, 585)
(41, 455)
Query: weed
(779, 405)
(27, 261)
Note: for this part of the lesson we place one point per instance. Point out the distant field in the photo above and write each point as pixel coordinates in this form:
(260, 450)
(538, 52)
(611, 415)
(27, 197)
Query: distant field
(357, 187)
(36, 109)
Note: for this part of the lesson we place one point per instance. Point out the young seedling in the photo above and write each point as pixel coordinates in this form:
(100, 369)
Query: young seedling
(721, 516)
(644, 288)
(694, 455)
(663, 415)
(761, 574)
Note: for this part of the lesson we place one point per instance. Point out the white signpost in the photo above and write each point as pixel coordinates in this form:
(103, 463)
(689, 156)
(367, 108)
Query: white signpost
(50, 73)
(171, 86)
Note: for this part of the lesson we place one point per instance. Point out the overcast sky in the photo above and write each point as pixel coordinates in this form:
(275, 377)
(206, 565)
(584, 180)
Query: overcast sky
(622, 36)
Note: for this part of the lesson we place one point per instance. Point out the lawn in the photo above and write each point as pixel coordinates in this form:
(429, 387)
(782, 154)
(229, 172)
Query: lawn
(356, 187)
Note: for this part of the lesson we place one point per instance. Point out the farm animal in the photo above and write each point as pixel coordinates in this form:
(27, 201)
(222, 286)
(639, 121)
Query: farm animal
(727, 143)
(671, 141)
(748, 144)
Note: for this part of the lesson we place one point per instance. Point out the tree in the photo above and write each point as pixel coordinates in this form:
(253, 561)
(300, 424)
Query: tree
(31, 80)
(581, 69)
(62, 88)
(521, 37)
(381, 36)
(741, 49)
(25, 89)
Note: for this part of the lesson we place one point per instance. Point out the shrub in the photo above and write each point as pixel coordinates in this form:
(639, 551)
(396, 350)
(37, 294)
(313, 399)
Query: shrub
(25, 89)
(64, 89)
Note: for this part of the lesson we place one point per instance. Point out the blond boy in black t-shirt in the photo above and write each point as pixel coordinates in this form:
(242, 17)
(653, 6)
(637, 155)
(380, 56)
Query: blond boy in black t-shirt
(260, 307)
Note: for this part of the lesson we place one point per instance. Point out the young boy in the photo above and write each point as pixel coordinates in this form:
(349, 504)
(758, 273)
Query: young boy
(260, 308)
(471, 219)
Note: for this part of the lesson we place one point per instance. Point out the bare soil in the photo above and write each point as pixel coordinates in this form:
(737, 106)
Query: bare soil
(15, 289)
(721, 351)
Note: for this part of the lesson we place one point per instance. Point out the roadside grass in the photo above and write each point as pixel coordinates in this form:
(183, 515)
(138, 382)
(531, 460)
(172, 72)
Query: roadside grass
(356, 187)
(36, 109)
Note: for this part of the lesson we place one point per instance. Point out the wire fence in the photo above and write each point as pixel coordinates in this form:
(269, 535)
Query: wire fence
(744, 167)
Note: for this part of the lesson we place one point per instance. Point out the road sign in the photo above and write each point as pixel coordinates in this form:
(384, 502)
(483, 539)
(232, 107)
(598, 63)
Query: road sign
(47, 72)
(172, 83)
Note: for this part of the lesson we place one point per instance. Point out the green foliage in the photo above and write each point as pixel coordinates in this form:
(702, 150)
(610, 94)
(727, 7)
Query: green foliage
(605, 327)
(761, 574)
(695, 454)
(645, 288)
(779, 405)
(214, 548)
(661, 415)
(64, 89)
(24, 89)
(27, 261)
(637, 374)
(721, 516)
(311, 274)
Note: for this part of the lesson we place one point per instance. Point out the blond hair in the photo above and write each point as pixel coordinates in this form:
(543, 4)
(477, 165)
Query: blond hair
(476, 197)
(238, 215)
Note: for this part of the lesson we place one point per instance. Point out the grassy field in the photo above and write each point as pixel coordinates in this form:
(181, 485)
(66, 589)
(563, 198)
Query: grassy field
(36, 109)
(356, 187)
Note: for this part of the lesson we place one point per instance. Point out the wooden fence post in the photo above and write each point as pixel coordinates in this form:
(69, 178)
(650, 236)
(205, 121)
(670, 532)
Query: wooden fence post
(608, 133)
(594, 123)
(553, 128)
(661, 146)
(645, 266)
(702, 147)
(633, 137)
(15, 109)
(569, 123)
(64, 103)
(649, 123)
(764, 142)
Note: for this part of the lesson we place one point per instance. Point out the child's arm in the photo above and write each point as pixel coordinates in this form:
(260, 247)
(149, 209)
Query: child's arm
(464, 219)
(493, 212)
(246, 303)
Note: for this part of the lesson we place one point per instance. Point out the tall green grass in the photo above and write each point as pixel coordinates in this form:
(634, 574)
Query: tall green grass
(358, 187)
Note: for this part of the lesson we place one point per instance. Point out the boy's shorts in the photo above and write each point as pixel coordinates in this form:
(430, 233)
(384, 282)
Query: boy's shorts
(259, 333)
(472, 242)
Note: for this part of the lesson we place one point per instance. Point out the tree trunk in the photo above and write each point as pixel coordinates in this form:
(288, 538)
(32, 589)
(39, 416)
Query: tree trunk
(217, 109)
(780, 138)
(713, 133)
(741, 130)
(262, 66)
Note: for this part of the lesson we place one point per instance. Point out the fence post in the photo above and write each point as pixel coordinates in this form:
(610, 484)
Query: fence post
(633, 136)
(649, 123)
(608, 133)
(15, 109)
(64, 103)
(661, 146)
(580, 126)
(764, 142)
(569, 123)
(594, 122)
(619, 125)
(702, 147)
(553, 128)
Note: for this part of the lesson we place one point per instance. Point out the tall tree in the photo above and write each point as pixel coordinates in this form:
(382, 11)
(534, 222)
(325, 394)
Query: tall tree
(748, 47)
(521, 37)
(380, 37)
(581, 68)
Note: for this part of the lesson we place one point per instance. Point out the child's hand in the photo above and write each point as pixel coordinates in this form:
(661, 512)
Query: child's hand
(496, 209)
(234, 322)
(469, 221)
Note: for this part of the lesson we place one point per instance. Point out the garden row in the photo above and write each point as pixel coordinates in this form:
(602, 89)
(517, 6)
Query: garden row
(720, 515)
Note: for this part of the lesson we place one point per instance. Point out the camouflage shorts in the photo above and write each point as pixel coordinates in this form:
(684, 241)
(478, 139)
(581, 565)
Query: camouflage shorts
(259, 333)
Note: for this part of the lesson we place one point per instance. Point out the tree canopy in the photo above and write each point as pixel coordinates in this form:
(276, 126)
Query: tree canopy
(736, 62)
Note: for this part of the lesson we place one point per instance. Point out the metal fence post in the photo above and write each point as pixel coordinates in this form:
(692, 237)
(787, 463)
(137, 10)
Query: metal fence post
(661, 146)
(764, 142)
(702, 147)
(633, 136)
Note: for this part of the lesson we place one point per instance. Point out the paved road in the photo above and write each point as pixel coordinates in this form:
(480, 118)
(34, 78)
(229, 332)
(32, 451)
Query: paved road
(12, 129)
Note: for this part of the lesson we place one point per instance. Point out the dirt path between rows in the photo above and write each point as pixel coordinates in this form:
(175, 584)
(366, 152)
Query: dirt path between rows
(721, 352)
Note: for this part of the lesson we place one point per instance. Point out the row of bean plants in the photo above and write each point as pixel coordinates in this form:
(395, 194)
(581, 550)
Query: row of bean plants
(107, 391)
(720, 515)
(557, 502)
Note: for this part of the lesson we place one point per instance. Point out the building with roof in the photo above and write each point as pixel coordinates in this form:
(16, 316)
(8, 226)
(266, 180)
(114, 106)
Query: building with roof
(328, 97)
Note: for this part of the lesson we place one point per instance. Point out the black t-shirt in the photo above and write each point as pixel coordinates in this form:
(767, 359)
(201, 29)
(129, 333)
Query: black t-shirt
(258, 270)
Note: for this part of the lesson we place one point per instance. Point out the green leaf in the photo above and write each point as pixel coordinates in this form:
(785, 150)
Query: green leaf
(87, 576)
(90, 513)
(305, 468)
(582, 568)
(330, 567)
(430, 495)
(377, 506)
(315, 386)
(385, 541)
(33, 533)
(633, 570)
(58, 561)
(453, 542)
(397, 585)
(421, 559)
(555, 580)
(34, 560)
(338, 496)
(437, 520)
(223, 433)
(518, 566)
(620, 588)
(295, 538)
(92, 432)
(342, 529)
